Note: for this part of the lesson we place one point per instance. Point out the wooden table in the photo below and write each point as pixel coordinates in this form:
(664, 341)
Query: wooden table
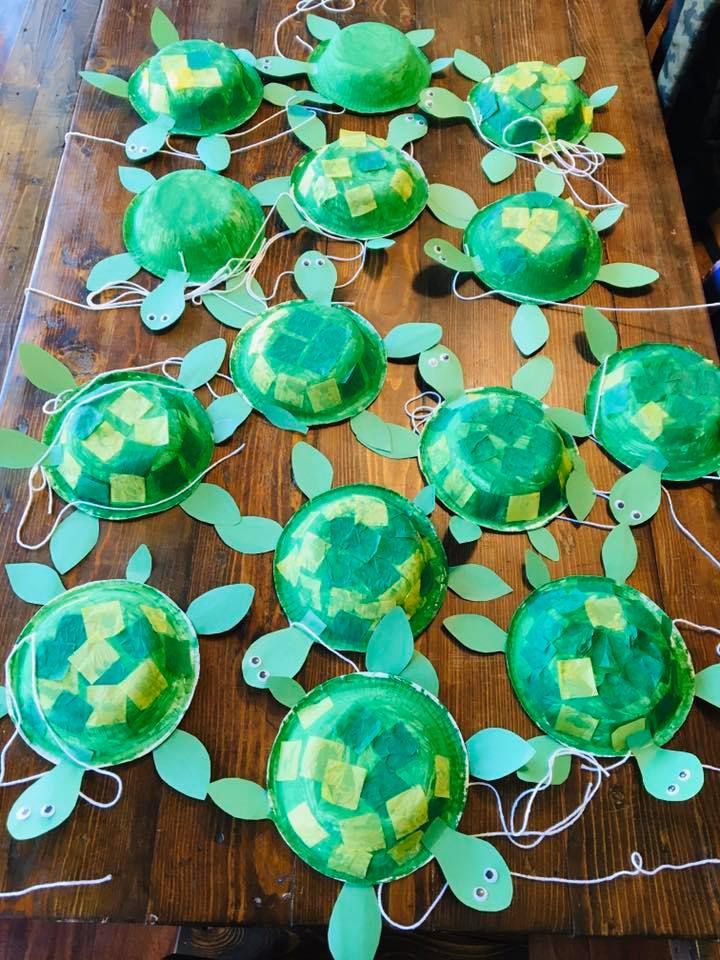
(177, 860)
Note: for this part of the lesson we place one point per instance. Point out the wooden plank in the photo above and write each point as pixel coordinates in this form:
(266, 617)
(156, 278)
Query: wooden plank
(45, 940)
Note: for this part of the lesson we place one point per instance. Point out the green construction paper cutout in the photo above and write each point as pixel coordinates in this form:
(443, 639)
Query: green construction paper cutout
(464, 531)
(439, 64)
(440, 369)
(379, 243)
(113, 85)
(403, 443)
(285, 690)
(544, 542)
(707, 684)
(18, 451)
(570, 421)
(444, 104)
(605, 143)
(312, 471)
(112, 270)
(475, 871)
(183, 763)
(135, 179)
(391, 644)
(672, 775)
(498, 165)
(448, 255)
(3, 702)
(371, 431)
(226, 414)
(210, 503)
(315, 276)
(166, 303)
(574, 67)
(43, 370)
(246, 56)
(550, 180)
(73, 540)
(279, 654)
(626, 276)
(46, 803)
(242, 799)
(214, 151)
(283, 66)
(420, 671)
(355, 923)
(580, 490)
(320, 27)
(267, 191)
(307, 126)
(606, 218)
(476, 632)
(280, 94)
(250, 534)
(410, 339)
(451, 205)
(471, 66)
(602, 96)
(34, 582)
(473, 581)
(636, 496)
(139, 565)
(601, 333)
(221, 609)
(162, 30)
(283, 419)
(235, 306)
(529, 328)
(495, 753)
(534, 377)
(619, 553)
(148, 139)
(538, 766)
(290, 215)
(425, 500)
(420, 38)
(536, 570)
(405, 129)
(200, 365)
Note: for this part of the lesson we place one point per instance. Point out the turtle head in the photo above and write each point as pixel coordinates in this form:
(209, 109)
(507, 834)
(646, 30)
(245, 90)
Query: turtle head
(476, 873)
(635, 497)
(46, 803)
(316, 276)
(444, 104)
(404, 129)
(444, 253)
(440, 368)
(669, 774)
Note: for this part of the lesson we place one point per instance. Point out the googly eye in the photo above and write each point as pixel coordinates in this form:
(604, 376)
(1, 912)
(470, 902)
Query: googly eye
(444, 357)
(491, 875)
(619, 504)
(636, 515)
(143, 149)
(437, 248)
(164, 317)
(684, 775)
(306, 262)
(420, 122)
(48, 810)
(255, 661)
(132, 148)
(22, 813)
(321, 262)
(263, 674)
(672, 789)
(151, 318)
(432, 362)
(430, 94)
(480, 894)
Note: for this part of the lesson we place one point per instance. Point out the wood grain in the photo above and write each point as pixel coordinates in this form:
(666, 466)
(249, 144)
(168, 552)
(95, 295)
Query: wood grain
(184, 861)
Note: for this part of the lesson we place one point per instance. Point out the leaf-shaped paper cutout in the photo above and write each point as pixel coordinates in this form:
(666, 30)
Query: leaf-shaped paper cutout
(73, 540)
(635, 497)
(495, 753)
(281, 653)
(529, 328)
(619, 553)
(282, 66)
(471, 66)
(107, 82)
(422, 672)
(707, 684)
(267, 191)
(391, 644)
(34, 582)
(536, 570)
(425, 500)
(451, 205)
(3, 702)
(626, 276)
(201, 364)
(476, 632)
(464, 531)
(449, 256)
(316, 276)
(444, 104)
(321, 27)
(574, 67)
(606, 218)
(183, 763)
(162, 30)
(251, 534)
(210, 503)
(235, 305)
(537, 767)
(285, 690)
(214, 152)
(498, 165)
(165, 304)
(410, 339)
(405, 128)
(544, 542)
(221, 609)
(18, 451)
(283, 419)
(307, 126)
(279, 94)
(135, 179)
(355, 924)
(403, 443)
(371, 431)
(312, 471)
(550, 181)
(379, 243)
(242, 799)
(148, 139)
(139, 565)
(670, 774)
(226, 414)
(473, 581)
(571, 421)
(247, 56)
(46, 803)
(475, 871)
(439, 64)
(43, 370)
(580, 491)
(288, 212)
(601, 334)
(440, 369)
(111, 270)
(420, 38)
(534, 377)
(602, 96)
(604, 143)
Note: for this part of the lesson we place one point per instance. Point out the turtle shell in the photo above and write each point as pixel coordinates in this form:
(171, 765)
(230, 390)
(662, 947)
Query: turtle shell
(369, 68)
(354, 553)
(658, 403)
(494, 458)
(360, 187)
(193, 220)
(359, 769)
(322, 363)
(103, 673)
(126, 441)
(534, 246)
(531, 95)
(593, 662)
(201, 84)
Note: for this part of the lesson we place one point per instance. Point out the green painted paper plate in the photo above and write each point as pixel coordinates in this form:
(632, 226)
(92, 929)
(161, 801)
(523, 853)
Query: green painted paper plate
(494, 458)
(534, 246)
(369, 68)
(360, 767)
(322, 363)
(353, 554)
(360, 187)
(192, 220)
(103, 673)
(593, 662)
(126, 441)
(527, 95)
(201, 84)
(658, 403)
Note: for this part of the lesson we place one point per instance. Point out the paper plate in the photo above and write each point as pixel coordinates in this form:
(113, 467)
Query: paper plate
(201, 84)
(353, 554)
(125, 442)
(593, 663)
(115, 667)
(195, 217)
(321, 363)
(359, 769)
(658, 403)
(369, 68)
(543, 94)
(494, 458)
(360, 187)
(534, 246)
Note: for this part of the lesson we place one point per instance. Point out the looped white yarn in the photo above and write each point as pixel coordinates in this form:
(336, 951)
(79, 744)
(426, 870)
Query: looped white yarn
(638, 870)
(419, 415)
(305, 6)
(690, 536)
(418, 923)
(317, 639)
(53, 885)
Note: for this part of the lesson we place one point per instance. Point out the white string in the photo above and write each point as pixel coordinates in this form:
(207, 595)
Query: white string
(638, 870)
(691, 536)
(3, 754)
(55, 884)
(703, 628)
(305, 6)
(423, 918)
(317, 639)
(419, 415)
(587, 523)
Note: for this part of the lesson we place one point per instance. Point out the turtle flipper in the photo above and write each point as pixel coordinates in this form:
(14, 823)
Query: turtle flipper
(214, 152)
(420, 38)
(471, 66)
(166, 303)
(183, 763)
(148, 139)
(707, 684)
(451, 205)
(18, 451)
(355, 923)
(391, 644)
(162, 30)
(238, 303)
(307, 126)
(111, 270)
(404, 129)
(669, 774)
(242, 799)
(267, 192)
(107, 82)
(626, 276)
(47, 803)
(322, 28)
(495, 753)
(544, 761)
(316, 276)
(474, 870)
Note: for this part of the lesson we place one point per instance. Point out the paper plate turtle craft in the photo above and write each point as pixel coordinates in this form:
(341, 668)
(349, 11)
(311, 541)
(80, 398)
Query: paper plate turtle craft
(102, 674)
